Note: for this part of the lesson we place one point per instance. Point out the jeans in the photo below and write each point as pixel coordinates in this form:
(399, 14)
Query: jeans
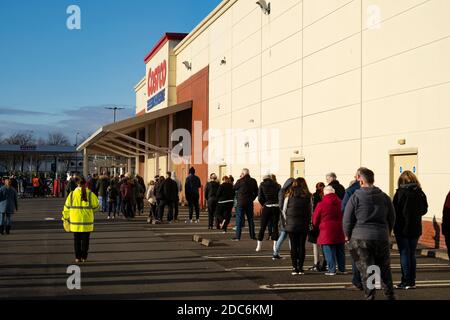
(104, 203)
(332, 253)
(281, 238)
(269, 215)
(407, 247)
(5, 219)
(81, 244)
(120, 205)
(368, 253)
(112, 208)
(193, 202)
(247, 211)
(298, 249)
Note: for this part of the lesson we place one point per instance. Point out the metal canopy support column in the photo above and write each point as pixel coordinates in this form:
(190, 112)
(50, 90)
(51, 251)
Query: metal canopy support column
(85, 162)
(157, 154)
(136, 158)
(129, 165)
(169, 158)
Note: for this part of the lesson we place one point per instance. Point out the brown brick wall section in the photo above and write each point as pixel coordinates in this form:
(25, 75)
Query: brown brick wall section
(196, 89)
(428, 238)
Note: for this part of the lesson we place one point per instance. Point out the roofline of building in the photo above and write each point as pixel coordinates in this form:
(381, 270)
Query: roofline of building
(166, 37)
(204, 24)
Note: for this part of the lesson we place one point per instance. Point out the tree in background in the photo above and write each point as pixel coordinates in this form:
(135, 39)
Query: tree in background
(23, 138)
(57, 139)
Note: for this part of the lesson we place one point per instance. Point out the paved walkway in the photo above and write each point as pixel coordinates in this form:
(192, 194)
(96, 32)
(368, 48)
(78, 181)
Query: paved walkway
(133, 260)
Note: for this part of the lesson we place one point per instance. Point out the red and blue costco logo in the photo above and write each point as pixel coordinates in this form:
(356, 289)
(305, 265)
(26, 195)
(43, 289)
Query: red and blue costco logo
(156, 84)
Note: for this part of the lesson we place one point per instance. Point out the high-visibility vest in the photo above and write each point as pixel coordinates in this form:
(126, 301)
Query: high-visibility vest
(80, 214)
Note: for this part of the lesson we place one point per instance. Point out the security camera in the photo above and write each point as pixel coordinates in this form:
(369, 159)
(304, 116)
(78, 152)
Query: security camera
(188, 65)
(265, 7)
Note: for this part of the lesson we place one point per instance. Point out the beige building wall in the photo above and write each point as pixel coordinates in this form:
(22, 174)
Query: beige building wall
(341, 81)
(141, 96)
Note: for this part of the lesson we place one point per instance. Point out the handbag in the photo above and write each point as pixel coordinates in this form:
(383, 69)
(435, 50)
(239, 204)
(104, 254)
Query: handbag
(313, 234)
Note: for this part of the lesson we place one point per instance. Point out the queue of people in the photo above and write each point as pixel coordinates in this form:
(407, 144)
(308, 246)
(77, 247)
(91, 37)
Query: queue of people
(361, 217)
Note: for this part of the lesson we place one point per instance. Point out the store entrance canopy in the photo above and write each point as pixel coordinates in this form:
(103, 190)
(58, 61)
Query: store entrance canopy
(114, 139)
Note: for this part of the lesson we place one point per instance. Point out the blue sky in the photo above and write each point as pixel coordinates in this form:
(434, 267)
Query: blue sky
(56, 79)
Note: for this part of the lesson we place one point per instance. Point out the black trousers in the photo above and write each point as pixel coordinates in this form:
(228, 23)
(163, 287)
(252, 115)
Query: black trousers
(212, 206)
(270, 215)
(162, 206)
(153, 211)
(298, 249)
(140, 205)
(223, 213)
(81, 243)
(128, 208)
(193, 202)
(175, 209)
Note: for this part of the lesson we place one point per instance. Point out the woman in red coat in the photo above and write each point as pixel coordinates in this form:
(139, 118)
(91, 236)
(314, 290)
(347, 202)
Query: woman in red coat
(327, 219)
(446, 223)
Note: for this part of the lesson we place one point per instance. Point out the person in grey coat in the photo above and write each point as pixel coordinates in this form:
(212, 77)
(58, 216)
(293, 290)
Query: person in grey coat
(369, 219)
(8, 205)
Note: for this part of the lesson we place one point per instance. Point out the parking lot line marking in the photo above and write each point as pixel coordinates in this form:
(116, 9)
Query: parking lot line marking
(223, 257)
(183, 233)
(287, 268)
(341, 285)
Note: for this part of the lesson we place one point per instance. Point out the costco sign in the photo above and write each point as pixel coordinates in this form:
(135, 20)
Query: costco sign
(156, 85)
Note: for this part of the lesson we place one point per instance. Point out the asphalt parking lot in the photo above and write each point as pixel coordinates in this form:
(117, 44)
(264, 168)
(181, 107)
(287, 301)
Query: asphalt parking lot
(134, 260)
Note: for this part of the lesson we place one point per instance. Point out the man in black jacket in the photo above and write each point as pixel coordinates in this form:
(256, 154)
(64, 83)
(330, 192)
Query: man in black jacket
(246, 189)
(191, 187)
(211, 197)
(333, 182)
(170, 195)
(159, 195)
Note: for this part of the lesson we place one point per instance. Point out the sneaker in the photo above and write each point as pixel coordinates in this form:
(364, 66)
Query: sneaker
(331, 274)
(259, 246)
(276, 257)
(301, 272)
(295, 272)
(343, 273)
(113, 217)
(234, 228)
(197, 221)
(235, 239)
(108, 218)
(402, 286)
(149, 221)
(77, 260)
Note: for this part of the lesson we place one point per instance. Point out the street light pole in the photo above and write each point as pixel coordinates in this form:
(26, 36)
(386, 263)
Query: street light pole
(115, 110)
(76, 152)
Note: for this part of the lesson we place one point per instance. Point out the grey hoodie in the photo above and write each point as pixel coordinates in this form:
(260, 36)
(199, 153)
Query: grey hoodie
(369, 215)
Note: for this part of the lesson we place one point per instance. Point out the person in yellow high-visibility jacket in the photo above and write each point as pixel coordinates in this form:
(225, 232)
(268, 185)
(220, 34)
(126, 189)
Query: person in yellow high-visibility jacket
(78, 217)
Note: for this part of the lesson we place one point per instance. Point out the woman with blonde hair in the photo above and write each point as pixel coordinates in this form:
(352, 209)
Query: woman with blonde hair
(410, 204)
